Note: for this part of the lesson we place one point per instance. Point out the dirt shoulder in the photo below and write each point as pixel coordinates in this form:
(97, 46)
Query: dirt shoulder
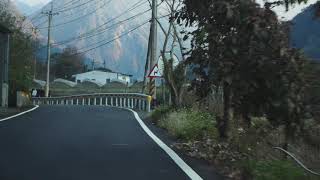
(7, 112)
(202, 167)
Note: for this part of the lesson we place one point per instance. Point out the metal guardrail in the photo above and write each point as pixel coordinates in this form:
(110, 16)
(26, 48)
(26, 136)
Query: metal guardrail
(126, 100)
(297, 161)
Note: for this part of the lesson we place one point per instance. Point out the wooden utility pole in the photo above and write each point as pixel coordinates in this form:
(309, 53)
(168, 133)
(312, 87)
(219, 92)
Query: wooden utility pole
(92, 63)
(154, 43)
(49, 14)
(147, 66)
(35, 46)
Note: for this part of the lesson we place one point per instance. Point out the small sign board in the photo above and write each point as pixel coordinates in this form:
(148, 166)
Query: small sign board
(155, 72)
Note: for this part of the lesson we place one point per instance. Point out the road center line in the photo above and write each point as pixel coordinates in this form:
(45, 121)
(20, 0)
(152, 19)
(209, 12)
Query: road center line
(22, 113)
(174, 156)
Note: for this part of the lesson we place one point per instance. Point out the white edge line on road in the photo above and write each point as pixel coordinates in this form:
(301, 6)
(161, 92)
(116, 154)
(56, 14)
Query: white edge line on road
(36, 107)
(174, 156)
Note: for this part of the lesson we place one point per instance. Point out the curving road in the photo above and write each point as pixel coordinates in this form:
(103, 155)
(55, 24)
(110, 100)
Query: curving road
(81, 143)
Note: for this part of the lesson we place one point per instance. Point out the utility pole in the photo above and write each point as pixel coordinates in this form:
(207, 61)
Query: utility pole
(147, 66)
(49, 14)
(92, 63)
(104, 64)
(154, 43)
(35, 46)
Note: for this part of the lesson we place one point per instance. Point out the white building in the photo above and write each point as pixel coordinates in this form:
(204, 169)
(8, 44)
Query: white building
(101, 77)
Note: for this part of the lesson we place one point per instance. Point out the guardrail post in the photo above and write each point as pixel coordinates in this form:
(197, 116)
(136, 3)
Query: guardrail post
(83, 101)
(94, 101)
(111, 101)
(89, 99)
(77, 101)
(120, 101)
(100, 101)
(62, 102)
(106, 100)
(125, 104)
(132, 103)
(143, 105)
(117, 104)
(149, 99)
(135, 103)
(139, 104)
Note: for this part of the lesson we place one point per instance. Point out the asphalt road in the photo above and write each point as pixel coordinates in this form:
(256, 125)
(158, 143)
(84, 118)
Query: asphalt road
(81, 143)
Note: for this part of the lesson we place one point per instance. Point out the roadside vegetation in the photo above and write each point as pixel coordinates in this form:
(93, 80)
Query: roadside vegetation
(21, 53)
(251, 93)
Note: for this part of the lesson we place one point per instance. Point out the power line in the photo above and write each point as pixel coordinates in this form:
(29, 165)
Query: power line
(89, 35)
(86, 35)
(101, 40)
(133, 7)
(112, 40)
(78, 18)
(71, 8)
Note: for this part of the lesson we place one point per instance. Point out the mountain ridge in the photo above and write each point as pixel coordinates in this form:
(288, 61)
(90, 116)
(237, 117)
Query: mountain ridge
(305, 32)
(126, 54)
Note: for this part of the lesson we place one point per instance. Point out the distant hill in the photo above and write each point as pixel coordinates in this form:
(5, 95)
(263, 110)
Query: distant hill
(26, 9)
(305, 32)
(127, 54)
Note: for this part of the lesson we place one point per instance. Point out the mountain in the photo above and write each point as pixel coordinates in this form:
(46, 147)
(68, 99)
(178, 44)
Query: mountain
(126, 54)
(305, 31)
(25, 8)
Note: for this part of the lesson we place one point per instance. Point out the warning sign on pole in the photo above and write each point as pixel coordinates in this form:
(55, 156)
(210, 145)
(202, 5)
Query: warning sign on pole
(155, 72)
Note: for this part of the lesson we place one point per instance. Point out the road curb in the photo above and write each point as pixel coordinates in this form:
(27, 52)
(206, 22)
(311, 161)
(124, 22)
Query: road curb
(172, 154)
(19, 114)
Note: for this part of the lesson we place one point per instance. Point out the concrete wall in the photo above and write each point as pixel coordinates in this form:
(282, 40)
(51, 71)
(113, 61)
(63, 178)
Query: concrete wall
(4, 94)
(4, 65)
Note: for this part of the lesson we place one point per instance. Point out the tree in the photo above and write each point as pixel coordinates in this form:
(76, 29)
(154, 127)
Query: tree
(174, 76)
(243, 49)
(68, 63)
(21, 53)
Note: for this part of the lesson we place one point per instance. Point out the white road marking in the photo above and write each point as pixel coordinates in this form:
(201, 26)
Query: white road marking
(174, 156)
(5, 119)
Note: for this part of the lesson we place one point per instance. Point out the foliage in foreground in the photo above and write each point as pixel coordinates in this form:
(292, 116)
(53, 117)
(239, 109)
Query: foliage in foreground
(21, 53)
(274, 170)
(160, 113)
(188, 124)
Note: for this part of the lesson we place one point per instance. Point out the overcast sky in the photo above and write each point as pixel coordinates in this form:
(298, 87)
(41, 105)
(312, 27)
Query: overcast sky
(280, 10)
(293, 11)
(34, 2)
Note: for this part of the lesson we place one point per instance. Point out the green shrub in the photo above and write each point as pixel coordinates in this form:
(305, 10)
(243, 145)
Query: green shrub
(274, 170)
(160, 113)
(189, 124)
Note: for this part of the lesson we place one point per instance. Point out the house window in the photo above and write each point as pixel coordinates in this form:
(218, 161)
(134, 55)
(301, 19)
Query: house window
(108, 80)
(78, 81)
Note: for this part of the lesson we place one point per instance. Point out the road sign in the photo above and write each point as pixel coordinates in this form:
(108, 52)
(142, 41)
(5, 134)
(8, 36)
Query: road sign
(155, 72)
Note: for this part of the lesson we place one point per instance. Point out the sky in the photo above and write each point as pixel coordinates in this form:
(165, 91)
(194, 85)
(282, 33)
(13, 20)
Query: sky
(34, 2)
(293, 11)
(283, 15)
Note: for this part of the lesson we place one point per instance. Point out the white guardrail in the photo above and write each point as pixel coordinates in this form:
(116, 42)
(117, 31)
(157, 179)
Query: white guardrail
(126, 100)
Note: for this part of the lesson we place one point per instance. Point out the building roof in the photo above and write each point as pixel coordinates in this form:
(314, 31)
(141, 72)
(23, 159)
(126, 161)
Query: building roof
(4, 29)
(102, 72)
